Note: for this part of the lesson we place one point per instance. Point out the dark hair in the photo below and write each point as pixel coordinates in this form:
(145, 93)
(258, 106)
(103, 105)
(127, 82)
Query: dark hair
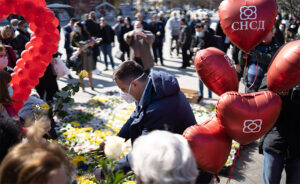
(73, 20)
(129, 20)
(128, 71)
(9, 135)
(21, 22)
(5, 79)
(183, 20)
(199, 25)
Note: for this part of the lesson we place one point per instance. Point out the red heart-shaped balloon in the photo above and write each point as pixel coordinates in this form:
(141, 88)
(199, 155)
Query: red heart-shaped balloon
(246, 117)
(210, 145)
(247, 22)
(284, 72)
(43, 45)
(216, 70)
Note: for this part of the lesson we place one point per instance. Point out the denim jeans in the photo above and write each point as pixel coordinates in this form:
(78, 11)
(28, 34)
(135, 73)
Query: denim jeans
(106, 50)
(274, 165)
(201, 86)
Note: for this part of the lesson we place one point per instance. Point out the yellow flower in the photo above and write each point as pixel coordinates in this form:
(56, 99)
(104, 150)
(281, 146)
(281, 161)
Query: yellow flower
(76, 124)
(129, 182)
(45, 106)
(83, 74)
(86, 182)
(78, 159)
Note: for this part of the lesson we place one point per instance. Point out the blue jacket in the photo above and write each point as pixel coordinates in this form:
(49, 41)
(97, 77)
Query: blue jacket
(162, 107)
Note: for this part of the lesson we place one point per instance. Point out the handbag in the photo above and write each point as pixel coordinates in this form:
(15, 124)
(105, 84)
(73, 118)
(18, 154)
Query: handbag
(60, 68)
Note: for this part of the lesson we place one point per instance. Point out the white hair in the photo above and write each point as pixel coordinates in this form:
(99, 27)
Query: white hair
(163, 158)
(174, 14)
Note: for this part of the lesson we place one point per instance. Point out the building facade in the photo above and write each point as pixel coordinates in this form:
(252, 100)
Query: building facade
(83, 6)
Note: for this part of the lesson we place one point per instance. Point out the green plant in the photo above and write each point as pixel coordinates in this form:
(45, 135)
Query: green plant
(64, 97)
(111, 177)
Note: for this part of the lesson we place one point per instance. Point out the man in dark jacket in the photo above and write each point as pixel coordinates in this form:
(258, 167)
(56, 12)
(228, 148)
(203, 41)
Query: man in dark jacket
(67, 32)
(258, 62)
(281, 145)
(160, 105)
(158, 29)
(108, 36)
(185, 39)
(22, 37)
(202, 40)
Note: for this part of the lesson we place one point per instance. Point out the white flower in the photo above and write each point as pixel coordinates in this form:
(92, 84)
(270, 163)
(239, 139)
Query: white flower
(113, 147)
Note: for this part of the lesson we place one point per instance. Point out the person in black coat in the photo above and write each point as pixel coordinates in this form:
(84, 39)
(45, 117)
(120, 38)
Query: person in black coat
(157, 28)
(281, 145)
(93, 29)
(69, 50)
(185, 39)
(108, 38)
(202, 40)
(48, 86)
(160, 105)
(226, 41)
(22, 37)
(124, 47)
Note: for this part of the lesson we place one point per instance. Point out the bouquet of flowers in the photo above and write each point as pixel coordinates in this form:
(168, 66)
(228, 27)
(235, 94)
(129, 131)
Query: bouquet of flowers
(40, 111)
(84, 45)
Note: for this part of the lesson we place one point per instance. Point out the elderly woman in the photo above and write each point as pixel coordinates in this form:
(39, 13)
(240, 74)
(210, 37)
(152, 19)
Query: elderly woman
(163, 158)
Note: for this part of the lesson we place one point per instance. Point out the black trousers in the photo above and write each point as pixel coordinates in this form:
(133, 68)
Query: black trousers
(158, 49)
(186, 56)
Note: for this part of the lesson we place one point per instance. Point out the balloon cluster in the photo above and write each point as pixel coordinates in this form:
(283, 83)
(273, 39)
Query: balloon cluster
(241, 117)
(38, 54)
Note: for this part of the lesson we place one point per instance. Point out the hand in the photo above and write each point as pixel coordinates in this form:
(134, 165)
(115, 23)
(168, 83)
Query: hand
(238, 68)
(195, 50)
(132, 33)
(142, 34)
(158, 33)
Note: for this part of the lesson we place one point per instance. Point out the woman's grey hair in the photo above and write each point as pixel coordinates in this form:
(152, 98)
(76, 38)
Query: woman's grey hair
(163, 158)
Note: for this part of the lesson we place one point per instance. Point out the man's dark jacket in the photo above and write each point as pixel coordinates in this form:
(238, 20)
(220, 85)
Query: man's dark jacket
(163, 107)
(284, 138)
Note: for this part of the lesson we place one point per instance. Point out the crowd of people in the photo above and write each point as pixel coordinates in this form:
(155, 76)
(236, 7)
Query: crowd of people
(160, 154)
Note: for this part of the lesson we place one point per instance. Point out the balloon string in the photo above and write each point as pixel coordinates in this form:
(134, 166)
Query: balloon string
(233, 165)
(246, 88)
(245, 72)
(215, 177)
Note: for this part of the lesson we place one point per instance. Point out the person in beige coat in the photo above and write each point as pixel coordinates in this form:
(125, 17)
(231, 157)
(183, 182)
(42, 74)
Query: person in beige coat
(140, 43)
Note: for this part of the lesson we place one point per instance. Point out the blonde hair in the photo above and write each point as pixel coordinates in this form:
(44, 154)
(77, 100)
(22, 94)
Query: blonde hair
(35, 160)
(4, 31)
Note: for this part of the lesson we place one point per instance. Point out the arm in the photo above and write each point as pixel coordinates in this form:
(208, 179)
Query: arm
(125, 130)
(149, 38)
(128, 37)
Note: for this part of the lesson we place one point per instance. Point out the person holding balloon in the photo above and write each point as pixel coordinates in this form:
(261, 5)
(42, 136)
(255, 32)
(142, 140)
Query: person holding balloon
(258, 62)
(281, 145)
